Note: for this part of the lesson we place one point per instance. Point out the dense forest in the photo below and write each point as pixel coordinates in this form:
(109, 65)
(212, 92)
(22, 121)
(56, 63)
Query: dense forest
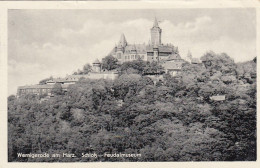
(172, 120)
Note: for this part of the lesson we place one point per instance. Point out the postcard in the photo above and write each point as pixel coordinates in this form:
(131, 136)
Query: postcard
(119, 83)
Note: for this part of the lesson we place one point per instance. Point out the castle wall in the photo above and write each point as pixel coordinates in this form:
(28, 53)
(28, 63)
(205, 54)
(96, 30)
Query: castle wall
(102, 75)
(65, 82)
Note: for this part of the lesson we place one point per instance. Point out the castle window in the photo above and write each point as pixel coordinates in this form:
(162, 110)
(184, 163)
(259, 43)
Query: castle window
(132, 57)
(135, 56)
(125, 57)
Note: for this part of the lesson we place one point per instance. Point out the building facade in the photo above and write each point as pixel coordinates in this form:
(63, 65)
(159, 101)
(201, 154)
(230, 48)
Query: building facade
(38, 89)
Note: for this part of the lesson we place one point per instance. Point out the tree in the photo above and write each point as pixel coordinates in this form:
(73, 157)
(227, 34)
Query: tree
(219, 62)
(174, 121)
(86, 69)
(109, 63)
(11, 98)
(136, 66)
(153, 68)
(125, 83)
(42, 82)
(57, 89)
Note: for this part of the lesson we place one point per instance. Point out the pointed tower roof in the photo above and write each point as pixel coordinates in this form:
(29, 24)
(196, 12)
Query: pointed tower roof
(155, 23)
(122, 41)
(96, 61)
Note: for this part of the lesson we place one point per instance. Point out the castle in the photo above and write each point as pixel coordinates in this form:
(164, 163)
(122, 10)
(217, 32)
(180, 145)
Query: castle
(154, 51)
(167, 55)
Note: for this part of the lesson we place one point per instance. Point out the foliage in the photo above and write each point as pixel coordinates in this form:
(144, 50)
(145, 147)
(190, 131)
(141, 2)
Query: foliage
(42, 82)
(57, 89)
(141, 67)
(86, 69)
(109, 63)
(173, 121)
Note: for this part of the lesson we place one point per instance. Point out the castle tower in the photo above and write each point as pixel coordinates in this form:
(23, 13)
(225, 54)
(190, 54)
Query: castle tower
(121, 48)
(122, 42)
(155, 53)
(156, 32)
(96, 66)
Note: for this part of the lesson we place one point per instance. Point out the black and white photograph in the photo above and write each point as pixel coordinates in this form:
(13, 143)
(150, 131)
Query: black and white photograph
(132, 85)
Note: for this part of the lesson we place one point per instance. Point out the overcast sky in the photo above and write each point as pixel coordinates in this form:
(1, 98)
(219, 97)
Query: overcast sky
(42, 43)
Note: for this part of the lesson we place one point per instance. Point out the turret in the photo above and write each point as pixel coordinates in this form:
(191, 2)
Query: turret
(156, 32)
(96, 66)
(122, 43)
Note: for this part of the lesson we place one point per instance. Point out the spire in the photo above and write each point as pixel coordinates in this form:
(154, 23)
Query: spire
(155, 23)
(122, 41)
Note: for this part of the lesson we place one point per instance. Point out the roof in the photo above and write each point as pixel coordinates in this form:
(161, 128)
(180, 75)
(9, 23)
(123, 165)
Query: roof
(138, 48)
(161, 48)
(69, 78)
(75, 77)
(96, 61)
(142, 48)
(155, 23)
(122, 42)
(174, 57)
(172, 65)
(46, 86)
(102, 72)
(218, 97)
(165, 48)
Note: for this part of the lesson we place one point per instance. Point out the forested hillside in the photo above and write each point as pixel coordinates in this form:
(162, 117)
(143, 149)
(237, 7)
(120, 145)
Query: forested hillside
(172, 120)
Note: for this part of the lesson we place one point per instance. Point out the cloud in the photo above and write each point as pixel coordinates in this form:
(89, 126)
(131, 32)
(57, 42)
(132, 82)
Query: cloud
(201, 36)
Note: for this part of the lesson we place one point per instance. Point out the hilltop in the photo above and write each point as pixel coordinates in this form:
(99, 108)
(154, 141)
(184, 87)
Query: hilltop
(173, 119)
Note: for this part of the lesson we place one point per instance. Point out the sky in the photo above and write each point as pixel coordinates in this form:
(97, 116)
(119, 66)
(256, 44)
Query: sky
(44, 43)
